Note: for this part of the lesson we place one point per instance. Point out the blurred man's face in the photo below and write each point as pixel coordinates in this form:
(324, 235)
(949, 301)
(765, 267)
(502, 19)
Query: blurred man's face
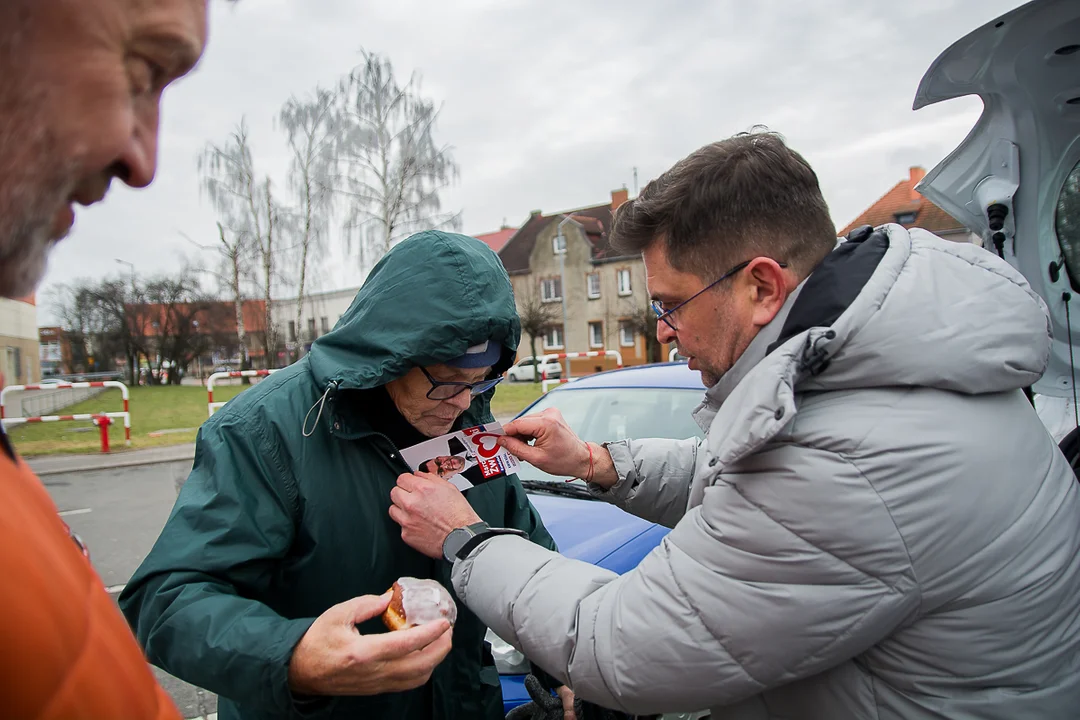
(80, 90)
(450, 465)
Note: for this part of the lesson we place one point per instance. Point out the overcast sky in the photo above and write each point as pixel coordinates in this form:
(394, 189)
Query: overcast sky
(551, 105)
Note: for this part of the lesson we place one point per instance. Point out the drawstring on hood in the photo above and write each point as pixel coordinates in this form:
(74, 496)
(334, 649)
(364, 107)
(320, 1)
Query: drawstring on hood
(320, 403)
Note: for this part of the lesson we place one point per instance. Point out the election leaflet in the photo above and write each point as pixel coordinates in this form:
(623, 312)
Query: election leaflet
(466, 458)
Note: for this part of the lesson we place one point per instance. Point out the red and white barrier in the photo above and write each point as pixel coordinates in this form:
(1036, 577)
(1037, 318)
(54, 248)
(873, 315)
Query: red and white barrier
(213, 406)
(570, 356)
(126, 414)
(96, 418)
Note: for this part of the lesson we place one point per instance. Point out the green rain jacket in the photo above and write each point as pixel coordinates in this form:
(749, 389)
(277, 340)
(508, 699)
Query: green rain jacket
(274, 526)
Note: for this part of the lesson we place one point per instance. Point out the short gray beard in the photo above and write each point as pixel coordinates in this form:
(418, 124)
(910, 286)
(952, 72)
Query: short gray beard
(34, 184)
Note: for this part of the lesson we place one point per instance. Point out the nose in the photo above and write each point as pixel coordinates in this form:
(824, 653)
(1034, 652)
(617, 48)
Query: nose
(664, 333)
(137, 162)
(461, 401)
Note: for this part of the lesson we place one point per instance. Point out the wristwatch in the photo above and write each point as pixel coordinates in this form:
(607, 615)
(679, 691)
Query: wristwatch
(462, 541)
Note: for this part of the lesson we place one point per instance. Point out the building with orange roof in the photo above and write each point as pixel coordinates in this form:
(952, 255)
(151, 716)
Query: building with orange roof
(904, 205)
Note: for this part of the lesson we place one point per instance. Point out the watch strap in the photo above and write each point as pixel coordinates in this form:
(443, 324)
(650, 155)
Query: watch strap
(475, 541)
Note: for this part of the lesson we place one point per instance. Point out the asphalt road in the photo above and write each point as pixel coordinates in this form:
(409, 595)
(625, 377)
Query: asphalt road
(118, 513)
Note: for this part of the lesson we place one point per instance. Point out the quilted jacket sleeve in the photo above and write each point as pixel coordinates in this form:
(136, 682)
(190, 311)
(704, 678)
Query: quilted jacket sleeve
(743, 595)
(654, 477)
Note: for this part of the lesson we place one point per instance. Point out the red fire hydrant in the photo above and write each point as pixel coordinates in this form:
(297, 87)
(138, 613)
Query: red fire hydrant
(103, 422)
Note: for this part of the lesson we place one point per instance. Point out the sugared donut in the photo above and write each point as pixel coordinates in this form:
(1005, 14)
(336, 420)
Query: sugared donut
(416, 602)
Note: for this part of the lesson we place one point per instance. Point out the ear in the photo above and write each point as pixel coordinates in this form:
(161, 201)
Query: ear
(768, 289)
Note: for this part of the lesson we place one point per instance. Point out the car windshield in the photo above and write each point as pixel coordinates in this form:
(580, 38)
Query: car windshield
(604, 414)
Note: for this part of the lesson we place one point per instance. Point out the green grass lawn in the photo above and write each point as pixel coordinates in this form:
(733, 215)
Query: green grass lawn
(512, 398)
(169, 408)
(152, 409)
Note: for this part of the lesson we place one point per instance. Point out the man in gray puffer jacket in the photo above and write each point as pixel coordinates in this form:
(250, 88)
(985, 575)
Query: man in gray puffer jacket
(877, 524)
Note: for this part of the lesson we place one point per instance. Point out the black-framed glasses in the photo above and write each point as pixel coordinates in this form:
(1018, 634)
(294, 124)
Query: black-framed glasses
(444, 390)
(665, 315)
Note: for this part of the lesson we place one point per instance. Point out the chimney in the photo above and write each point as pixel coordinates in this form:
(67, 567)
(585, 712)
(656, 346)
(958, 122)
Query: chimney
(618, 197)
(917, 174)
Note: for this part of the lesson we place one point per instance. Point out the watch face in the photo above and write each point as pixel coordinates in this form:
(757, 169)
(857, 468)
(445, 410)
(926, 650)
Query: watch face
(453, 543)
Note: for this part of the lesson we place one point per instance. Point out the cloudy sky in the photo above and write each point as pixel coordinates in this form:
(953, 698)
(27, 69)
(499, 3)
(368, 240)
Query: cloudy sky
(552, 105)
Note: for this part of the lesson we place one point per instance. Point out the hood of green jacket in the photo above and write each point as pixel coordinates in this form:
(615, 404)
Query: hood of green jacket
(429, 299)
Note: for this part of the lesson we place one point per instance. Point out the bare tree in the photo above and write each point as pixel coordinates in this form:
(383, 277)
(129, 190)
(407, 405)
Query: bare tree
(536, 317)
(643, 320)
(245, 201)
(393, 171)
(234, 251)
(178, 307)
(311, 126)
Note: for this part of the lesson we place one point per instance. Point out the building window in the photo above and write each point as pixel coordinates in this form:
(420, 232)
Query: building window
(292, 331)
(553, 338)
(905, 218)
(596, 334)
(592, 281)
(311, 329)
(551, 290)
(627, 336)
(558, 244)
(623, 276)
(325, 322)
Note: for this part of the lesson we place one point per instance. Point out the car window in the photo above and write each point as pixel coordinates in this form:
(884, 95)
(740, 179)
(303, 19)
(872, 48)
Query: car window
(1067, 224)
(604, 414)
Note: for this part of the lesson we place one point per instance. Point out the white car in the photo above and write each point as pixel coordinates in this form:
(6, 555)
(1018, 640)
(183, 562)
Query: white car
(1015, 179)
(524, 370)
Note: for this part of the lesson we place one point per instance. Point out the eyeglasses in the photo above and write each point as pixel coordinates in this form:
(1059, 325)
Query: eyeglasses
(665, 315)
(441, 390)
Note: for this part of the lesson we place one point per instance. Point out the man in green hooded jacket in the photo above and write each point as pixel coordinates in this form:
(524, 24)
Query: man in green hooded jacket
(267, 582)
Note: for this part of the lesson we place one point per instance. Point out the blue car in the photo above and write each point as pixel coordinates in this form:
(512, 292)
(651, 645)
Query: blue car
(636, 402)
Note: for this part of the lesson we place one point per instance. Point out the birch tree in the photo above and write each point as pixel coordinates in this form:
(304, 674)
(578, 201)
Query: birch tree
(245, 202)
(392, 170)
(311, 127)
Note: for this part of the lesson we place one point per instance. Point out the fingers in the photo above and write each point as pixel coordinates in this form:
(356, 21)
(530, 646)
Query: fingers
(527, 426)
(365, 607)
(521, 450)
(400, 643)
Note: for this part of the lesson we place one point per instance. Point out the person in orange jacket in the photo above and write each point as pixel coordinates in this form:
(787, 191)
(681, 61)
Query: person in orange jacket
(80, 87)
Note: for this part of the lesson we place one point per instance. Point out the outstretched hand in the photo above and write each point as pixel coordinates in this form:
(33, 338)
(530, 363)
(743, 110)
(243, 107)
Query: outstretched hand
(556, 449)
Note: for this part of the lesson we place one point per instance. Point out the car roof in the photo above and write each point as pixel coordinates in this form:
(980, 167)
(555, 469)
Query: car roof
(675, 375)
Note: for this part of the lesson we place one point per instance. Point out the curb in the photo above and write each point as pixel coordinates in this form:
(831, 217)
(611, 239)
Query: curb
(119, 463)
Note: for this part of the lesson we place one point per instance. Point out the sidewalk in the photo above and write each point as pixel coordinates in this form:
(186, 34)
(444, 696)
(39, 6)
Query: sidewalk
(57, 464)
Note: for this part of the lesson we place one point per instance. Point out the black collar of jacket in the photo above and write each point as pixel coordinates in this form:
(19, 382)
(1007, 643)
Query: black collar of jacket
(835, 283)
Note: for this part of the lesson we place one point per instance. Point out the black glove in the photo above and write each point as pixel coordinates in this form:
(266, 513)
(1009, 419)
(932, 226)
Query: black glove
(544, 705)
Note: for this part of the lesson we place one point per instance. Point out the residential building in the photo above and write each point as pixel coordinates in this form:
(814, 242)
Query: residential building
(19, 362)
(205, 331)
(54, 352)
(904, 205)
(320, 314)
(565, 260)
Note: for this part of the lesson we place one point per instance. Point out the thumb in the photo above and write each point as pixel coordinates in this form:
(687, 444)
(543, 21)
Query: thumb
(365, 607)
(399, 643)
(521, 450)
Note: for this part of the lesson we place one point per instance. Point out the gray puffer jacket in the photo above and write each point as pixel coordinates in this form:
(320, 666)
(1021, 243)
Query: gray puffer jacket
(877, 525)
